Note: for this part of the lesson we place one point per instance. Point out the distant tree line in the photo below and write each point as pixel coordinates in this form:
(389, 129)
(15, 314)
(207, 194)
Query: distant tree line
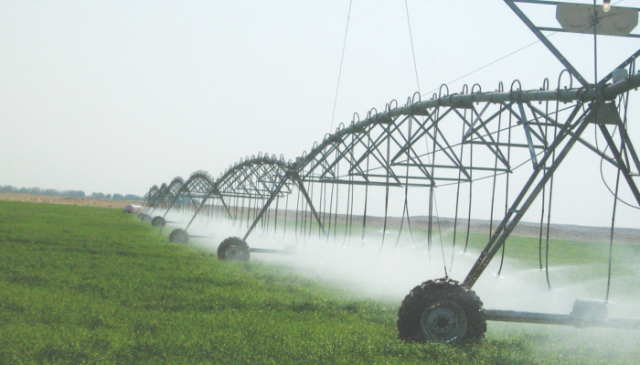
(115, 196)
(38, 191)
(67, 193)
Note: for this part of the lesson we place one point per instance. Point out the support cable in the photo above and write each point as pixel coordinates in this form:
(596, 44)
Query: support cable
(595, 53)
(344, 46)
(490, 63)
(413, 52)
(498, 60)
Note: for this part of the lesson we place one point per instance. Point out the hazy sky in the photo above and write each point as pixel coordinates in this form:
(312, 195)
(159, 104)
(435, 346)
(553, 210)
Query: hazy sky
(116, 96)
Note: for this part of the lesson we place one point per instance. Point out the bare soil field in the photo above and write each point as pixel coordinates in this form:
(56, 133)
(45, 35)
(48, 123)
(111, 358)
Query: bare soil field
(32, 198)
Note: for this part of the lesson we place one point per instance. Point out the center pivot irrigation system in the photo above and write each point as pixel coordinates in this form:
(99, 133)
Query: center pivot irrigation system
(454, 140)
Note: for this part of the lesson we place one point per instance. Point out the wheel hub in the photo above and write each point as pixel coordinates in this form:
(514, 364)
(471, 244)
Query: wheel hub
(233, 253)
(443, 321)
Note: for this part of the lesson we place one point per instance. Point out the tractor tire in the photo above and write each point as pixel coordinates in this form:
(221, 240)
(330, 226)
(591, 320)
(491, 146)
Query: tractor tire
(441, 310)
(179, 236)
(146, 218)
(158, 222)
(233, 249)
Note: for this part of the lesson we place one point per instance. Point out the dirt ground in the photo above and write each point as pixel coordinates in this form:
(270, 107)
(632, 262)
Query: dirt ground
(31, 198)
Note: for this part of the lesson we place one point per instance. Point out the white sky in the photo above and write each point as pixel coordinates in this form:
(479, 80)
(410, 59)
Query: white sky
(116, 96)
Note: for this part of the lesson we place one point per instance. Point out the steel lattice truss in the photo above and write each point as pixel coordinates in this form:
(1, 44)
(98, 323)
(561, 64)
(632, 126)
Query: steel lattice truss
(255, 177)
(449, 140)
(452, 139)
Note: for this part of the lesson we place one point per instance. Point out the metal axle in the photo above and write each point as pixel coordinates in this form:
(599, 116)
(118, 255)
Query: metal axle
(561, 319)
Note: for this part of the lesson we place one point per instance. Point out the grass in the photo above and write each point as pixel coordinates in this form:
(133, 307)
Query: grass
(82, 285)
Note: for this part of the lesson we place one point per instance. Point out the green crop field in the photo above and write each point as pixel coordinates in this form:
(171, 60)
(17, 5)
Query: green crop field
(81, 285)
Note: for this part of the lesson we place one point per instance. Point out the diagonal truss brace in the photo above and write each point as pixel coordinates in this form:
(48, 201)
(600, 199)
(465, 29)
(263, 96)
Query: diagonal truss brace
(293, 176)
(517, 211)
(546, 42)
(599, 114)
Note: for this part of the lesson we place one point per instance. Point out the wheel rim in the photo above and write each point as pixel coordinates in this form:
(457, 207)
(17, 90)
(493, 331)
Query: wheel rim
(443, 321)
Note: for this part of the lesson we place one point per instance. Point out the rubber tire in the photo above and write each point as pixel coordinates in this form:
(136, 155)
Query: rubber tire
(146, 218)
(441, 292)
(179, 236)
(158, 222)
(240, 247)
